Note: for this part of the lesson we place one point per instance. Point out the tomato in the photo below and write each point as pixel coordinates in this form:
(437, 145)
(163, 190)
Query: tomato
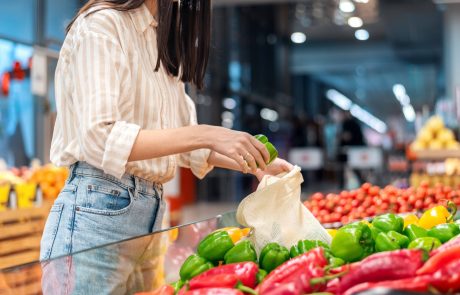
(439, 196)
(335, 217)
(418, 204)
(371, 211)
(403, 209)
(360, 197)
(425, 184)
(447, 190)
(326, 218)
(344, 219)
(393, 200)
(344, 194)
(347, 208)
(412, 199)
(353, 193)
(322, 203)
(338, 209)
(374, 191)
(384, 206)
(317, 196)
(315, 211)
(355, 203)
(361, 209)
(342, 202)
(428, 201)
(330, 196)
(366, 186)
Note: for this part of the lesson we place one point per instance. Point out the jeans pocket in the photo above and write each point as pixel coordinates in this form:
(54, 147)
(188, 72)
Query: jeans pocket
(103, 197)
(50, 231)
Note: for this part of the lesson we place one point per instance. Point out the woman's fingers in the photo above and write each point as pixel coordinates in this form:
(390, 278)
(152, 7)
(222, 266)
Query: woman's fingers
(261, 148)
(254, 158)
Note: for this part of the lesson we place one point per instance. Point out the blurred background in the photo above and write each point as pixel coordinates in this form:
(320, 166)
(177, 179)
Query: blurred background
(341, 87)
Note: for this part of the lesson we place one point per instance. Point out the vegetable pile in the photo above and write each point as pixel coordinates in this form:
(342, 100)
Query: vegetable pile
(421, 255)
(369, 201)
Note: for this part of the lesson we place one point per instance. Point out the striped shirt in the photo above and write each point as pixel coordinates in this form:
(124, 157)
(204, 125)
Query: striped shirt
(107, 90)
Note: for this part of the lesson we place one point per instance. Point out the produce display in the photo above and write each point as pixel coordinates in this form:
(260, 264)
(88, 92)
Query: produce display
(435, 136)
(24, 182)
(369, 200)
(412, 254)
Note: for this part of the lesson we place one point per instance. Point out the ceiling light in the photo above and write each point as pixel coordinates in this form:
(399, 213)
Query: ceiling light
(346, 6)
(409, 113)
(269, 115)
(339, 99)
(355, 22)
(362, 1)
(298, 37)
(362, 35)
(229, 103)
(401, 95)
(368, 119)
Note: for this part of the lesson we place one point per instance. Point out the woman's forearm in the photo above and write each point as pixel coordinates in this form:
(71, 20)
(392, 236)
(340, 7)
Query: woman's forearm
(151, 144)
(221, 161)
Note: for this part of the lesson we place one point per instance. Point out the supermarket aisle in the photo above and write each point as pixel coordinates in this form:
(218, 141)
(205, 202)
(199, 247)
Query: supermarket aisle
(202, 211)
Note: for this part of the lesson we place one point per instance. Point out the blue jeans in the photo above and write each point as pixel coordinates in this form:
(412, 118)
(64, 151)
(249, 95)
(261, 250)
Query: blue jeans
(97, 209)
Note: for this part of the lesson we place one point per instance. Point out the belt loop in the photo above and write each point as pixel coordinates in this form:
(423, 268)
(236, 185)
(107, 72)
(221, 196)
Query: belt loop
(72, 172)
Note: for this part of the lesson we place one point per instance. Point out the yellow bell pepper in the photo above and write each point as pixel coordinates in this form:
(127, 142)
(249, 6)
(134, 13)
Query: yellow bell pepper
(410, 219)
(437, 215)
(236, 233)
(332, 232)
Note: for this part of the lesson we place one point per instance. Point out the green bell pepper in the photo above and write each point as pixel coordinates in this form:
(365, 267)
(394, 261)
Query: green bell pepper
(387, 222)
(401, 239)
(444, 232)
(177, 285)
(304, 246)
(262, 138)
(241, 252)
(272, 256)
(193, 266)
(384, 243)
(261, 274)
(426, 243)
(215, 246)
(353, 242)
(375, 232)
(414, 232)
(269, 146)
(335, 262)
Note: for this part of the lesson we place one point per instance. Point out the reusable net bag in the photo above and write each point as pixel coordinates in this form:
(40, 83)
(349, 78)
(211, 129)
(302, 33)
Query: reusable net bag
(275, 213)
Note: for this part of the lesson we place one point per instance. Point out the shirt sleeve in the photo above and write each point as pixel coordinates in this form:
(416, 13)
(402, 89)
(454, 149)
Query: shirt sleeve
(196, 160)
(99, 72)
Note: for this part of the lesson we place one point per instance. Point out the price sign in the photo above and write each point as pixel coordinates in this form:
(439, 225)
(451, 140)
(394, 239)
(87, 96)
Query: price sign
(307, 158)
(365, 157)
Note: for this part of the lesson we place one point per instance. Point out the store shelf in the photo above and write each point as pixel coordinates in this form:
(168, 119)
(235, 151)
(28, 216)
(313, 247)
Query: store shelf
(436, 154)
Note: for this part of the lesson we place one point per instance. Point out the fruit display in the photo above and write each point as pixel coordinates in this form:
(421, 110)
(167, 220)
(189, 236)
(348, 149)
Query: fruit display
(435, 136)
(420, 255)
(51, 180)
(370, 200)
(24, 182)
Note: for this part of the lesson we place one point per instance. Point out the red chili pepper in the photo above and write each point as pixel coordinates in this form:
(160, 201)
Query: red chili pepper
(439, 260)
(384, 266)
(447, 278)
(455, 242)
(215, 291)
(165, 290)
(417, 284)
(344, 268)
(219, 281)
(333, 286)
(245, 272)
(298, 271)
(285, 289)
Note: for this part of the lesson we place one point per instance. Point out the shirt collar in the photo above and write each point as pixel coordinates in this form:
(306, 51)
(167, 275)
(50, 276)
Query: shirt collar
(142, 18)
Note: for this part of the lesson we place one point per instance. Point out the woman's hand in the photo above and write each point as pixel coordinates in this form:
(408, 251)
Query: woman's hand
(245, 150)
(276, 167)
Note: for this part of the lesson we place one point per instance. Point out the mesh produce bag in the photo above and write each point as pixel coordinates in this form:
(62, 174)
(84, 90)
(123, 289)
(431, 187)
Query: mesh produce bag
(276, 214)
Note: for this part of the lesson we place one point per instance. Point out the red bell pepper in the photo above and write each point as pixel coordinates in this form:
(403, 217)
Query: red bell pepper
(417, 284)
(439, 260)
(165, 290)
(447, 278)
(455, 242)
(219, 281)
(244, 272)
(299, 272)
(385, 266)
(214, 291)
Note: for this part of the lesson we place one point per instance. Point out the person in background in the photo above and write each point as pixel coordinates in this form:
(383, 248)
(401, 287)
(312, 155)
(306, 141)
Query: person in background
(350, 135)
(124, 126)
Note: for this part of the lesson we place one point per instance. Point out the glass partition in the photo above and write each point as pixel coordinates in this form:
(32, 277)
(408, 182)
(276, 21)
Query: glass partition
(126, 267)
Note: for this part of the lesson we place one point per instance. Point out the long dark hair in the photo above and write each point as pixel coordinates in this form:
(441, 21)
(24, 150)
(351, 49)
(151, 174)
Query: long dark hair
(183, 35)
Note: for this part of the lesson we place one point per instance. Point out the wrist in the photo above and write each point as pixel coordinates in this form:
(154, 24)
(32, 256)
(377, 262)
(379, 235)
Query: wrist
(203, 136)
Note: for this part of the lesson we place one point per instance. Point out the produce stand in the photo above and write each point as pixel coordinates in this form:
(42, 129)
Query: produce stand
(20, 234)
(434, 155)
(179, 243)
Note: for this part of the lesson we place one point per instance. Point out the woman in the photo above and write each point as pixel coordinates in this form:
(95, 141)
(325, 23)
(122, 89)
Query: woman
(124, 125)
